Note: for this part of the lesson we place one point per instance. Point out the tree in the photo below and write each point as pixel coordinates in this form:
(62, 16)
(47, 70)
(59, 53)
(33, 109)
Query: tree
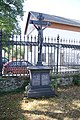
(11, 11)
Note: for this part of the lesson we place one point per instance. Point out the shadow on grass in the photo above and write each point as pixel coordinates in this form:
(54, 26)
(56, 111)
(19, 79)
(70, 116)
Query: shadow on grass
(69, 92)
(65, 106)
(51, 108)
(10, 106)
(71, 114)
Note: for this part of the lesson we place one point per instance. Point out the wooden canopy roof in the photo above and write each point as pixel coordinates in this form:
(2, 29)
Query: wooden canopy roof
(56, 22)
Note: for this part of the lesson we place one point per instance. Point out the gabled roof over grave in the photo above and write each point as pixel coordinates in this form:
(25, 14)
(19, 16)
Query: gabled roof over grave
(56, 22)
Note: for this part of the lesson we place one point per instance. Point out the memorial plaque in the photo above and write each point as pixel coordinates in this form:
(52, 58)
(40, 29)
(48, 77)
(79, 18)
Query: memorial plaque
(45, 79)
(35, 79)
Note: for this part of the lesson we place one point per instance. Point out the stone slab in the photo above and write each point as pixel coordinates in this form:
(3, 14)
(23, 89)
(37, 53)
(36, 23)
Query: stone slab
(39, 92)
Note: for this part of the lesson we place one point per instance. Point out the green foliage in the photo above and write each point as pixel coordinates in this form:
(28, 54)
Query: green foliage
(76, 79)
(11, 11)
(54, 77)
(54, 83)
(1, 78)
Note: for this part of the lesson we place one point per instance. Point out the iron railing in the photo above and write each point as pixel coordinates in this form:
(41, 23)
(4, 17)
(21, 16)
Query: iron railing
(61, 54)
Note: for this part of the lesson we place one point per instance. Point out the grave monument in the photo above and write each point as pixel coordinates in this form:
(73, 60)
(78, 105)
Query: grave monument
(39, 85)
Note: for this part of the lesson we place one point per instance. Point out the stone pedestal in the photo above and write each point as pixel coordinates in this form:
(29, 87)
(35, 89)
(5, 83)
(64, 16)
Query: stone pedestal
(39, 82)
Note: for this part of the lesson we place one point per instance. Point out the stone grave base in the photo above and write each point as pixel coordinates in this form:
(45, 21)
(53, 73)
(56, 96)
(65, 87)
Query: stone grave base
(39, 82)
(39, 92)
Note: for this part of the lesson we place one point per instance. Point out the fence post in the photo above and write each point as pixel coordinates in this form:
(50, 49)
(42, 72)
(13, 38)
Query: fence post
(0, 52)
(57, 53)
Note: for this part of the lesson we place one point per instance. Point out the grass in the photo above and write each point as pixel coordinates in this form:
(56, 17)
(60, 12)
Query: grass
(13, 106)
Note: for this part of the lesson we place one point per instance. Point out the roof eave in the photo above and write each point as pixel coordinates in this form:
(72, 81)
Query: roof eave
(27, 23)
(54, 24)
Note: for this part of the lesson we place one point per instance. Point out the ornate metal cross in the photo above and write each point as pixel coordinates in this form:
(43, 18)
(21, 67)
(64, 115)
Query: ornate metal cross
(40, 25)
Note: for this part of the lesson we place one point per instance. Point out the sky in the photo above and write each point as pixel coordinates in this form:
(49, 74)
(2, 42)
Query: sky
(64, 8)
